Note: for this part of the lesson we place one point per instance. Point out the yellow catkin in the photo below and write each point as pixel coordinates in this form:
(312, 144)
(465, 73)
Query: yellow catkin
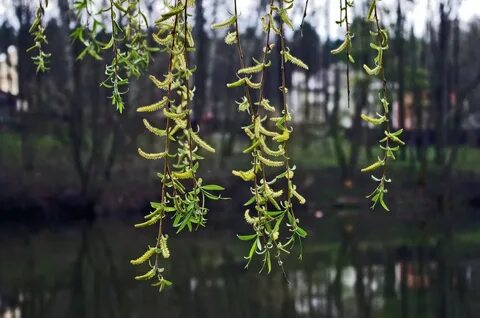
(299, 197)
(145, 257)
(154, 130)
(153, 107)
(284, 136)
(149, 222)
(183, 175)
(270, 163)
(268, 151)
(151, 156)
(148, 275)
(267, 132)
(173, 115)
(250, 220)
(200, 142)
(275, 235)
(372, 120)
(162, 244)
(225, 23)
(248, 175)
(162, 84)
(249, 133)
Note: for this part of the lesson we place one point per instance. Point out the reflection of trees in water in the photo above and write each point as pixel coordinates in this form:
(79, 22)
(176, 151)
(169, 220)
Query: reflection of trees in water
(86, 274)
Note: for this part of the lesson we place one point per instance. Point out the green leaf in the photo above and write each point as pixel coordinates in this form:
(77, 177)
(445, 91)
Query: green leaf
(213, 187)
(246, 237)
(301, 232)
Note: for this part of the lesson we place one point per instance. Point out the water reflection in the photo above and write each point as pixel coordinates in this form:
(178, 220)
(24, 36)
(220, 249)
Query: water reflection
(84, 272)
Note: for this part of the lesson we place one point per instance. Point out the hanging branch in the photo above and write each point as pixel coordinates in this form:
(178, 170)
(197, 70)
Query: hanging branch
(183, 194)
(89, 26)
(304, 16)
(37, 30)
(347, 42)
(382, 117)
(274, 211)
(131, 53)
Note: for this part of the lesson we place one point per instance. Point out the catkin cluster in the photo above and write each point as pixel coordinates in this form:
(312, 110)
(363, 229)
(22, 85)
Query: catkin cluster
(270, 173)
(183, 194)
(391, 141)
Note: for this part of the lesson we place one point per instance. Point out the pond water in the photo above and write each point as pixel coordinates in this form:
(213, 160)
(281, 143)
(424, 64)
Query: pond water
(84, 271)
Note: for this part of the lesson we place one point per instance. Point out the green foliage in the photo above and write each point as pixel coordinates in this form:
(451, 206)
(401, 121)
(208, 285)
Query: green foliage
(275, 227)
(347, 42)
(131, 53)
(37, 30)
(184, 195)
(390, 143)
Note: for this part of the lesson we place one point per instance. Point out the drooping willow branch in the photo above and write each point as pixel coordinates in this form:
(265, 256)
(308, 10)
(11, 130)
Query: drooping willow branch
(347, 42)
(391, 142)
(41, 58)
(90, 26)
(274, 208)
(183, 195)
(131, 53)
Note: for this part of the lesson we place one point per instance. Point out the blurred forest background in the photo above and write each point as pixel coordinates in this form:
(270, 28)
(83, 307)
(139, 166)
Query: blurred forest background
(67, 155)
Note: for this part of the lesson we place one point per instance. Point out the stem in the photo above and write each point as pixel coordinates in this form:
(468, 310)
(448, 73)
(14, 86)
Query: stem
(166, 169)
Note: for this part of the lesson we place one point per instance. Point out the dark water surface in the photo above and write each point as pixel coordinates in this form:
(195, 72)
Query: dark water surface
(348, 271)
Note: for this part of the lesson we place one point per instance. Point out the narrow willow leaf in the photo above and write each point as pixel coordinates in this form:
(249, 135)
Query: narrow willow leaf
(286, 19)
(343, 46)
(238, 83)
(254, 145)
(374, 166)
(148, 275)
(372, 72)
(247, 237)
(226, 23)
